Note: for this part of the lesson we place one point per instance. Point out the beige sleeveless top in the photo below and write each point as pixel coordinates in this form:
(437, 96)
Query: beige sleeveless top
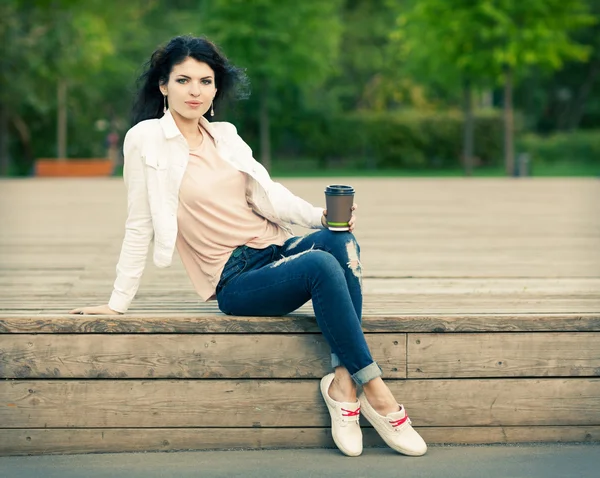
(213, 218)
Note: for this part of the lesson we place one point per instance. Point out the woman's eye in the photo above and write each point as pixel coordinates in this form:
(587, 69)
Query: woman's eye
(181, 80)
(206, 82)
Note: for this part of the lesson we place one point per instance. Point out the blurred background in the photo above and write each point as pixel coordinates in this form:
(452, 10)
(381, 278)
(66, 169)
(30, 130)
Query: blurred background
(353, 87)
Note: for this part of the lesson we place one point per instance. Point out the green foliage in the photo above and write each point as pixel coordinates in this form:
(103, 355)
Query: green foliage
(477, 43)
(368, 78)
(408, 139)
(97, 47)
(477, 39)
(581, 147)
(338, 72)
(276, 41)
(570, 97)
(51, 41)
(536, 32)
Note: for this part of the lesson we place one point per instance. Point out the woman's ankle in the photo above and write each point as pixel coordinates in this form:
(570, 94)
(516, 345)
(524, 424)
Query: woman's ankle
(380, 397)
(342, 389)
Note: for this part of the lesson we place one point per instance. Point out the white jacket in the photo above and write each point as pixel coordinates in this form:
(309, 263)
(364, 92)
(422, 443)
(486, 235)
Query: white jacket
(155, 159)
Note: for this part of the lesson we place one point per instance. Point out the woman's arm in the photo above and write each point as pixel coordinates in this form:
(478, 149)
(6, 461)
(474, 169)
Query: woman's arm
(291, 208)
(138, 226)
(288, 207)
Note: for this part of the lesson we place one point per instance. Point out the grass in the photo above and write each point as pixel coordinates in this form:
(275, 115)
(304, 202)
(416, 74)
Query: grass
(565, 169)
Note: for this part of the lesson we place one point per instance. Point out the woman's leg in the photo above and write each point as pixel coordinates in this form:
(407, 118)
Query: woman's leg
(282, 286)
(344, 247)
(341, 245)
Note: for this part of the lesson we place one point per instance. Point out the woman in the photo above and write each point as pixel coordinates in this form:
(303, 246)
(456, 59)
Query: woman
(194, 185)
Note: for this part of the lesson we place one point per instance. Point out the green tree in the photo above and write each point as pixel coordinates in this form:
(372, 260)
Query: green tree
(279, 43)
(473, 42)
(534, 33)
(568, 98)
(69, 65)
(368, 78)
(438, 40)
(49, 48)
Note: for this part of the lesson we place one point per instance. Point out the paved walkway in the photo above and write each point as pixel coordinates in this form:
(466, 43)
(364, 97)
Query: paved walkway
(533, 461)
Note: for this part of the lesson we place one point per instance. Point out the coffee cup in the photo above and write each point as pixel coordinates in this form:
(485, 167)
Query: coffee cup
(339, 200)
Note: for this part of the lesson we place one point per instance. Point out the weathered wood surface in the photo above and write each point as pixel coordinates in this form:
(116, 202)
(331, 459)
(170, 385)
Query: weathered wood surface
(492, 256)
(284, 403)
(296, 356)
(183, 323)
(119, 440)
(184, 356)
(452, 246)
(503, 355)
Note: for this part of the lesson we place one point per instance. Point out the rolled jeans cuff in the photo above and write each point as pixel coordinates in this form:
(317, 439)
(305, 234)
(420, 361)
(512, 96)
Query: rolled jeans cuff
(367, 373)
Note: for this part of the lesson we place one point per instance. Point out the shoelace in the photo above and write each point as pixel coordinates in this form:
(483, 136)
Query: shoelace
(401, 421)
(349, 416)
(351, 413)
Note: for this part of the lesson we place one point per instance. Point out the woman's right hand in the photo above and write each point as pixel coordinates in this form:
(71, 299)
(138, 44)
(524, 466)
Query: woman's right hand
(97, 310)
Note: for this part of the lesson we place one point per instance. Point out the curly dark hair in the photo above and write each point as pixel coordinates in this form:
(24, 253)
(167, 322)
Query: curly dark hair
(231, 82)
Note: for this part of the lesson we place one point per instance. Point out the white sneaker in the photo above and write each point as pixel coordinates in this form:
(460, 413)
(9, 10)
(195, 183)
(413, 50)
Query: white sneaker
(395, 429)
(344, 421)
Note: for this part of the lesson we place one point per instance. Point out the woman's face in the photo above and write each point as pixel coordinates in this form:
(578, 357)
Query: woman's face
(190, 89)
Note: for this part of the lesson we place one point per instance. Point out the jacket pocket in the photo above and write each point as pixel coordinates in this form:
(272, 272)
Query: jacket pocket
(155, 161)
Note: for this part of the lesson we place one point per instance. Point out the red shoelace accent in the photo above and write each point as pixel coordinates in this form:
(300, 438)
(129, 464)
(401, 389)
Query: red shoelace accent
(397, 423)
(351, 413)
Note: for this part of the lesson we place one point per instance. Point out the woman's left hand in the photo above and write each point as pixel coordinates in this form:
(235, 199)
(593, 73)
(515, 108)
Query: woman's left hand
(352, 221)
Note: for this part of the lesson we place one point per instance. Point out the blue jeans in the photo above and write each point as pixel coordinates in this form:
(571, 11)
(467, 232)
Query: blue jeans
(323, 266)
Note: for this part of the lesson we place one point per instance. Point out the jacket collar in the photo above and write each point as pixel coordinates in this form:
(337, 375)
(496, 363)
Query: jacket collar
(171, 130)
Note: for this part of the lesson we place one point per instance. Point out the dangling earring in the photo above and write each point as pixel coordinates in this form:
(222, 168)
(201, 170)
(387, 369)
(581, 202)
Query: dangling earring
(212, 110)
(165, 107)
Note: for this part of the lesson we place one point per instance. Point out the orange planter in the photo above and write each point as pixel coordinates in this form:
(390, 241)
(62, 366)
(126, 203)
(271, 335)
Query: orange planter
(73, 167)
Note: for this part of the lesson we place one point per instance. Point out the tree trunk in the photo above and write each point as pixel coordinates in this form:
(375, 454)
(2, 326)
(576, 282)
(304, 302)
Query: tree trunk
(61, 120)
(468, 133)
(4, 152)
(509, 148)
(27, 161)
(265, 130)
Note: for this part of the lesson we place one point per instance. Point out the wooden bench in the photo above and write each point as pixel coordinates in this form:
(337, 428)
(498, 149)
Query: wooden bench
(88, 384)
(482, 306)
(92, 167)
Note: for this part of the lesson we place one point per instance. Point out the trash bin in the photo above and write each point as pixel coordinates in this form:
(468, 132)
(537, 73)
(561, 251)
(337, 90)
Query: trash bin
(522, 165)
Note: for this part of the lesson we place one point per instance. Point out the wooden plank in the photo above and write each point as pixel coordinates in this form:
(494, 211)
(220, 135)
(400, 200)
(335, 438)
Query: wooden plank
(503, 355)
(294, 323)
(542, 231)
(297, 403)
(61, 301)
(120, 440)
(386, 307)
(184, 356)
(558, 286)
(371, 285)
